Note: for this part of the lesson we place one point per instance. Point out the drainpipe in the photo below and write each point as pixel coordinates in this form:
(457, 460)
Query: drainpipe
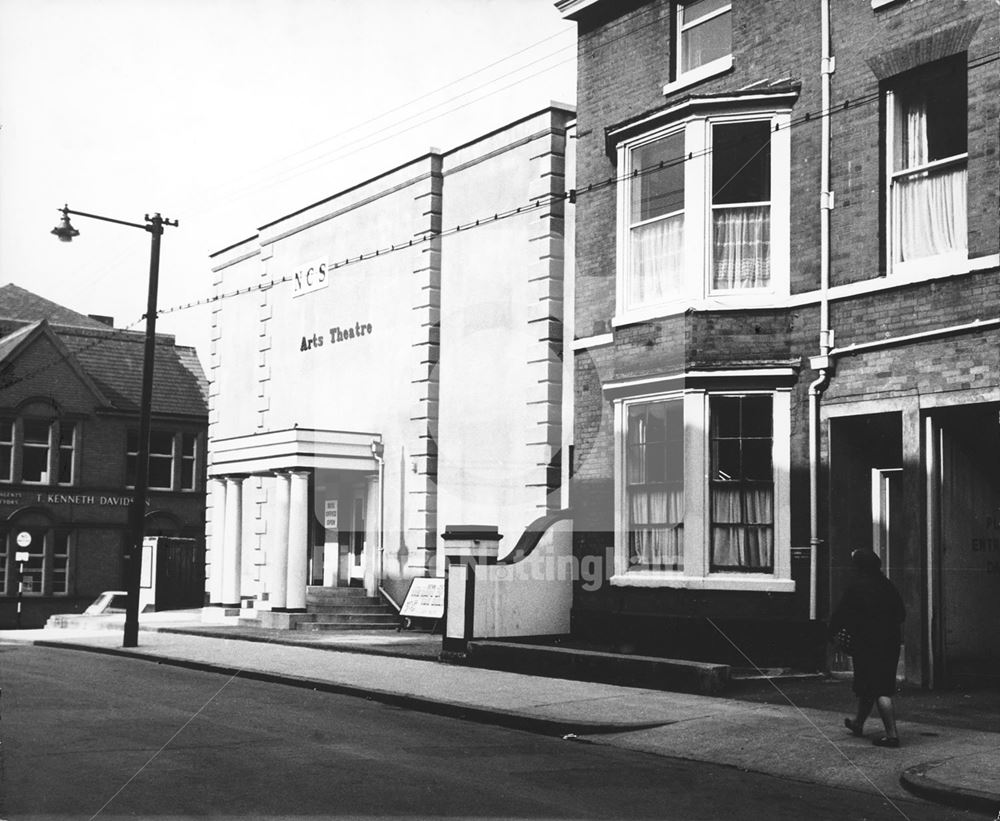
(821, 362)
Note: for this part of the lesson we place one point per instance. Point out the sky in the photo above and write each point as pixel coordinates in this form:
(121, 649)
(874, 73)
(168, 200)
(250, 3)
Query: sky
(226, 114)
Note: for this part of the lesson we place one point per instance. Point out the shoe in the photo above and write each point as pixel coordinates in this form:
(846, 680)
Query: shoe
(885, 741)
(854, 728)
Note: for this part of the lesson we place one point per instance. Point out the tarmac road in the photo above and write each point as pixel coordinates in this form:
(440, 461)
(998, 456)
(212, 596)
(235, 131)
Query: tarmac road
(86, 736)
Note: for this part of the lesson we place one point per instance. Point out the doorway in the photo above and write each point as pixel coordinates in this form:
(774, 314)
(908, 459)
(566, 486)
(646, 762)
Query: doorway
(356, 540)
(966, 556)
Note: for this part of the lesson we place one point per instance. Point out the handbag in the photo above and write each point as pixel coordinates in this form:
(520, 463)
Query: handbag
(843, 640)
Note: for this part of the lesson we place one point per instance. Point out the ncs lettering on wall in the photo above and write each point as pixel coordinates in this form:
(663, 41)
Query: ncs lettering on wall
(310, 276)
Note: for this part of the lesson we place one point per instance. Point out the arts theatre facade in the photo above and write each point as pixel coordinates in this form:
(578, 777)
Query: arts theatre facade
(69, 420)
(385, 363)
(788, 323)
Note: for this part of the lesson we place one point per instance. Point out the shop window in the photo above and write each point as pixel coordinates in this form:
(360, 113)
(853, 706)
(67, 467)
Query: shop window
(38, 451)
(703, 42)
(46, 571)
(171, 463)
(705, 215)
(927, 151)
(702, 488)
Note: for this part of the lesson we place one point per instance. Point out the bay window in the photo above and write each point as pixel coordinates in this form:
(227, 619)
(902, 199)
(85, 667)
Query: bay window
(702, 489)
(926, 152)
(703, 214)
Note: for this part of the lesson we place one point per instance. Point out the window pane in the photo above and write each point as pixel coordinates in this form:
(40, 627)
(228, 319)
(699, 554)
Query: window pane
(699, 8)
(132, 441)
(655, 485)
(5, 462)
(756, 415)
(187, 474)
(741, 162)
(742, 484)
(66, 439)
(35, 464)
(130, 467)
(757, 459)
(159, 472)
(187, 444)
(36, 431)
(161, 442)
(6, 431)
(657, 191)
(60, 562)
(931, 114)
(726, 459)
(705, 42)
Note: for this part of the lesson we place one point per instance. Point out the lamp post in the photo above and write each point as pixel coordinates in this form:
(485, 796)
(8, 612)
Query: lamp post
(137, 513)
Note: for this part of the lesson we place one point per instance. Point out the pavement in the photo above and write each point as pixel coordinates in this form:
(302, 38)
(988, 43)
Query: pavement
(782, 726)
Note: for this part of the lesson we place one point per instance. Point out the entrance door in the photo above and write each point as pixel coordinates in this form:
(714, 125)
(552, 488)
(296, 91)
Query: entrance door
(357, 540)
(969, 542)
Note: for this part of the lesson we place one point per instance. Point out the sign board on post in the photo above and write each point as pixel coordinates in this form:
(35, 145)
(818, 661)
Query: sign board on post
(23, 539)
(21, 556)
(424, 599)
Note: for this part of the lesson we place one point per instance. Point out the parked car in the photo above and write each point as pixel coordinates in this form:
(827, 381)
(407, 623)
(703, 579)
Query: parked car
(110, 601)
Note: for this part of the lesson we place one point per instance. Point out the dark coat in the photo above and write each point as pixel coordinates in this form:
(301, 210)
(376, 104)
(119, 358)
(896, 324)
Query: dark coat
(872, 611)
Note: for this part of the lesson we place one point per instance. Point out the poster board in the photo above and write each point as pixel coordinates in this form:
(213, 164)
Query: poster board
(424, 599)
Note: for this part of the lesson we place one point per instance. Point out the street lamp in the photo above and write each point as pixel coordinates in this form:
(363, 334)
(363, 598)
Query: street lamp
(133, 558)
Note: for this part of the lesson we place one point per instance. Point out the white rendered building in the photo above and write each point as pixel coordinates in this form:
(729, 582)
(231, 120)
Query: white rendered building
(388, 362)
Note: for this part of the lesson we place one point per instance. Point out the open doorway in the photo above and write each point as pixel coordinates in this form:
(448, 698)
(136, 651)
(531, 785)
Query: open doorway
(966, 556)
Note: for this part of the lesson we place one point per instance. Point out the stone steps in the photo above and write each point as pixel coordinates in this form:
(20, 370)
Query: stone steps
(346, 608)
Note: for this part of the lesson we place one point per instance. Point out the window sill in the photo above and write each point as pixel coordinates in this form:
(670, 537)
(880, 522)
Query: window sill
(717, 581)
(727, 301)
(700, 74)
(878, 4)
(940, 265)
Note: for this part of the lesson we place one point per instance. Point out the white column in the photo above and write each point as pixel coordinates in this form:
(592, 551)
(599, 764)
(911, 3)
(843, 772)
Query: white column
(232, 546)
(298, 539)
(213, 584)
(277, 560)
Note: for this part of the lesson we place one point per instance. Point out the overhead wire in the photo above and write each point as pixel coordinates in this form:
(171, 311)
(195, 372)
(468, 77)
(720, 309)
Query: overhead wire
(571, 195)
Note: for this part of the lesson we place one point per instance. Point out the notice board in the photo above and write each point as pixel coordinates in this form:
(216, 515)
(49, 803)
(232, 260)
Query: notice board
(424, 599)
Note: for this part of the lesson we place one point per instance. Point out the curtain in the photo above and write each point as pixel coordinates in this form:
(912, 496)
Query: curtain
(929, 213)
(742, 247)
(737, 542)
(656, 528)
(929, 209)
(656, 261)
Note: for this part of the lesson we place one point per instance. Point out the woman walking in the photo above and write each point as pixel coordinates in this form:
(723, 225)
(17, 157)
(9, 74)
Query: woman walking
(871, 611)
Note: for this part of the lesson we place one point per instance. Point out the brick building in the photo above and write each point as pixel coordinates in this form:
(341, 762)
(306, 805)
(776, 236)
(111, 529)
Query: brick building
(69, 419)
(788, 316)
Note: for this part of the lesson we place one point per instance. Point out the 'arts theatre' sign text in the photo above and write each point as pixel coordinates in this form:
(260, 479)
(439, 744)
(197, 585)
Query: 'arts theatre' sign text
(337, 334)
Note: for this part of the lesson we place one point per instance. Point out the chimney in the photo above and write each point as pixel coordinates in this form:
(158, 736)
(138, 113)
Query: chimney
(106, 320)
